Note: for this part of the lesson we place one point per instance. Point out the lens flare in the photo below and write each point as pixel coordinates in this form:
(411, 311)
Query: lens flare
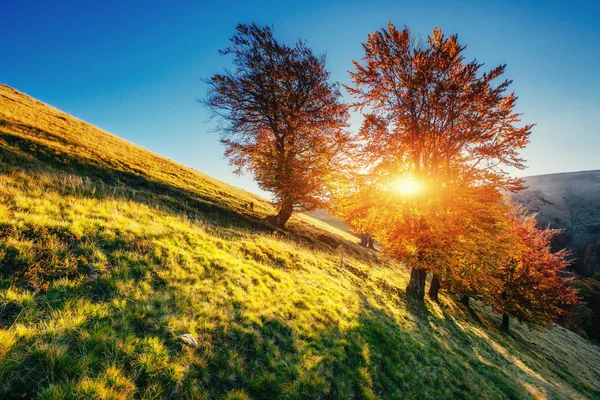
(407, 186)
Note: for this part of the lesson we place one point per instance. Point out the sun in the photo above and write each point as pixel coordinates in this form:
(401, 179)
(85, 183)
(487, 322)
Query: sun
(407, 186)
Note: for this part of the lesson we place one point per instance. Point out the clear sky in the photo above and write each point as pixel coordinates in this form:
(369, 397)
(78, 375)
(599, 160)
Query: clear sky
(133, 68)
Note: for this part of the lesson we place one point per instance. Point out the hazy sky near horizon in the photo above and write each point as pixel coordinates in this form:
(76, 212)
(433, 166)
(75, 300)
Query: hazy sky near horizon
(133, 68)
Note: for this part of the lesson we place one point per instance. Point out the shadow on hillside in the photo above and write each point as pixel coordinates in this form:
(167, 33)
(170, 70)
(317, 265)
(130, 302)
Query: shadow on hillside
(30, 155)
(376, 354)
(437, 357)
(265, 355)
(174, 198)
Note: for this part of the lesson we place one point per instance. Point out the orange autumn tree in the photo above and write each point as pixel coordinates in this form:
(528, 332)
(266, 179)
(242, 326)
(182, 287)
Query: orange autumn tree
(280, 118)
(531, 285)
(474, 255)
(430, 115)
(451, 233)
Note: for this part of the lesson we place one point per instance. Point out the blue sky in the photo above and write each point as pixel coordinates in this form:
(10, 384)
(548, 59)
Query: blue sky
(133, 68)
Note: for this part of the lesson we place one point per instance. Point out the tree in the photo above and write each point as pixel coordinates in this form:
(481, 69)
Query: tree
(431, 116)
(447, 234)
(280, 118)
(532, 287)
(476, 254)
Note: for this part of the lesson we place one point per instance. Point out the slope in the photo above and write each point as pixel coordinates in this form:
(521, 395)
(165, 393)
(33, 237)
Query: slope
(108, 253)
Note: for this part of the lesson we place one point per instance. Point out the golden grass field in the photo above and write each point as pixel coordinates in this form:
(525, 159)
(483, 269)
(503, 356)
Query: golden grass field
(109, 252)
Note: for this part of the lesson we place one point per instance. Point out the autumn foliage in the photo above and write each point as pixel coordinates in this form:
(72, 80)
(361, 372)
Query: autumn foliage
(425, 175)
(431, 115)
(280, 118)
(531, 283)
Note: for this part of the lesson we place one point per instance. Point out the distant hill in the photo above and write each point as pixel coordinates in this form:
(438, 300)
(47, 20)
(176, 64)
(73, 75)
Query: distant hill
(324, 216)
(570, 201)
(125, 275)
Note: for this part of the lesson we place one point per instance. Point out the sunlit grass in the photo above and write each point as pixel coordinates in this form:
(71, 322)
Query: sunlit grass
(100, 278)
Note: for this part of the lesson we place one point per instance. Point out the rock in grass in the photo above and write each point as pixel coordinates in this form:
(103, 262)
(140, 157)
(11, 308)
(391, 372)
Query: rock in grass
(188, 339)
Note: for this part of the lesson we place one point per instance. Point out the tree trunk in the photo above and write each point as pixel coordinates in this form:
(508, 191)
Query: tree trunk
(416, 285)
(465, 300)
(371, 243)
(363, 239)
(434, 288)
(505, 323)
(285, 212)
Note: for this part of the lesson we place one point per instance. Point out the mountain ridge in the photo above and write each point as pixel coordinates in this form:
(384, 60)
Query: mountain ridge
(569, 201)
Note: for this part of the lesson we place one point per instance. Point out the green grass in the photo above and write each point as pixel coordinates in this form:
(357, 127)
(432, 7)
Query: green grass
(108, 253)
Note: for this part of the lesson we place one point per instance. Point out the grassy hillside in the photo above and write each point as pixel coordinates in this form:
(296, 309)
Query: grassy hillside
(108, 253)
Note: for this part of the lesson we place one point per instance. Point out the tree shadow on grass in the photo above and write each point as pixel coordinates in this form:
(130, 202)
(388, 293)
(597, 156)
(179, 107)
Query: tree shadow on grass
(514, 351)
(30, 155)
(436, 356)
(379, 355)
(24, 153)
(416, 308)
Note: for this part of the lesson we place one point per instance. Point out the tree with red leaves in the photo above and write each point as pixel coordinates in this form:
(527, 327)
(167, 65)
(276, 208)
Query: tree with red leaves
(431, 116)
(281, 119)
(473, 256)
(531, 283)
